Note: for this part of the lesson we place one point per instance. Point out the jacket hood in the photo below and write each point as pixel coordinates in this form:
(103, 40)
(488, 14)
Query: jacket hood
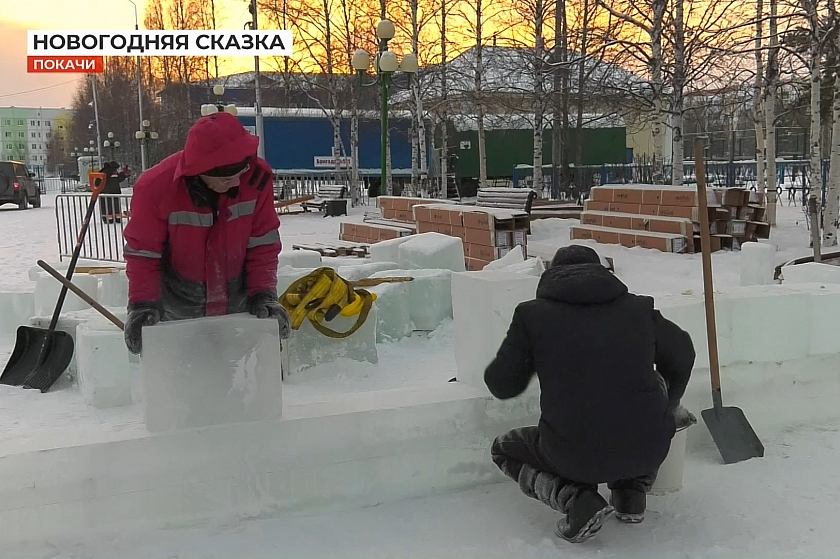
(580, 284)
(215, 141)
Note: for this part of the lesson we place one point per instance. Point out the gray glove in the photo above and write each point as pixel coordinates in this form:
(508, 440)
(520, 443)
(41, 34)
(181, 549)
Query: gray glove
(139, 315)
(265, 305)
(682, 417)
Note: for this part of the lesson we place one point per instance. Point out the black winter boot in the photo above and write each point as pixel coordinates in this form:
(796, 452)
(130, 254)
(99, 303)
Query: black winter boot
(585, 518)
(629, 505)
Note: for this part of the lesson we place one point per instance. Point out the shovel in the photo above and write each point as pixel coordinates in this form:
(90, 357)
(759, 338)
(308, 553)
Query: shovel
(41, 355)
(732, 433)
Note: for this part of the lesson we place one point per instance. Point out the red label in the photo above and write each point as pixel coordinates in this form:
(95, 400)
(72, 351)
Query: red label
(65, 64)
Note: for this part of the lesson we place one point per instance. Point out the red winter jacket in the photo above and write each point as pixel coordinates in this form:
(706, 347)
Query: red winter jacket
(184, 257)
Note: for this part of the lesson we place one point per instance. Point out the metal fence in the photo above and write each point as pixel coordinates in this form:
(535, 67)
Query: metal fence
(288, 186)
(104, 239)
(63, 185)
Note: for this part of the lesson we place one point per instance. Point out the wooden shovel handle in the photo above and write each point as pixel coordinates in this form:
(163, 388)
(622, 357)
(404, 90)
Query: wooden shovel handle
(370, 282)
(708, 284)
(82, 295)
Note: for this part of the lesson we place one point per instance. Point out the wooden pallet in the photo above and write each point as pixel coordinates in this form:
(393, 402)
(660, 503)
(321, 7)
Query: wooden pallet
(359, 251)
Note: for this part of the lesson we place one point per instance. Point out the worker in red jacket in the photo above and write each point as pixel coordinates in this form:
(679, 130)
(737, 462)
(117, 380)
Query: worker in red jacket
(203, 237)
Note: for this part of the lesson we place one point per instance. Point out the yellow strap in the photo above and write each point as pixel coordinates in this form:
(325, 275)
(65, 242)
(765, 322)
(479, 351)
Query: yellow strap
(313, 295)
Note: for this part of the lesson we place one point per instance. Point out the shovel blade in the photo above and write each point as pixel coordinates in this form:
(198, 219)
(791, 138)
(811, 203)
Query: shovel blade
(40, 357)
(733, 435)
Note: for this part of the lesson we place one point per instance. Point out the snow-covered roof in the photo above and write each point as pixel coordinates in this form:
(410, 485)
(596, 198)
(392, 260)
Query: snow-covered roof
(507, 70)
(516, 121)
(283, 112)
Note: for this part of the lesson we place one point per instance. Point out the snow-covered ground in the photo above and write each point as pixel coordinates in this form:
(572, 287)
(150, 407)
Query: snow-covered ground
(783, 505)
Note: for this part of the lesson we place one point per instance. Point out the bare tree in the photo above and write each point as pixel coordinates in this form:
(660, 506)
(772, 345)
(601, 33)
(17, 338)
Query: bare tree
(830, 219)
(758, 94)
(678, 85)
(772, 84)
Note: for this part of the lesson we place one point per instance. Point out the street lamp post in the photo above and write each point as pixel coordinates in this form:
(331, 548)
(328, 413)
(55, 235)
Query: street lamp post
(144, 135)
(386, 65)
(143, 157)
(112, 144)
(257, 91)
(218, 106)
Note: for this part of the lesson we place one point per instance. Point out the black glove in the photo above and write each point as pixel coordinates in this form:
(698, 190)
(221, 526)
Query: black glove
(682, 417)
(139, 315)
(265, 305)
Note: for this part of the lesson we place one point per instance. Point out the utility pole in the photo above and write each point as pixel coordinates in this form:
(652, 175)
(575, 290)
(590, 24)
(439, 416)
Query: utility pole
(257, 92)
(96, 116)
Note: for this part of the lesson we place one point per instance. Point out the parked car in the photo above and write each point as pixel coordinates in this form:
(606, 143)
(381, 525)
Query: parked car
(17, 185)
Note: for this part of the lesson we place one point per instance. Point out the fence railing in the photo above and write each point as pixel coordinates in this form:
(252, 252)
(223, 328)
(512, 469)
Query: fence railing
(51, 185)
(287, 186)
(104, 239)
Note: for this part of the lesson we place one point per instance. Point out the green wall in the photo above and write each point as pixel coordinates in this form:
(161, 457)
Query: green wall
(508, 148)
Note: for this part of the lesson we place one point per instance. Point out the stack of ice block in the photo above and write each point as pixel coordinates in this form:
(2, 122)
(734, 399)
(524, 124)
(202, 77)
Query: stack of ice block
(429, 296)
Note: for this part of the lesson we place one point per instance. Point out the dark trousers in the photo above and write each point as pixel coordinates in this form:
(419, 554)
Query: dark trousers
(517, 453)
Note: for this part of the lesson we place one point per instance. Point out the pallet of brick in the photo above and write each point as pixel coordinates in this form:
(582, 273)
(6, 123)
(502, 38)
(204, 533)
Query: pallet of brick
(399, 208)
(665, 242)
(487, 233)
(656, 224)
(371, 233)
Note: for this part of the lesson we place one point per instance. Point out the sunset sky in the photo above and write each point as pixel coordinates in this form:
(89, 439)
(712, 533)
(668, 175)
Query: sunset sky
(19, 88)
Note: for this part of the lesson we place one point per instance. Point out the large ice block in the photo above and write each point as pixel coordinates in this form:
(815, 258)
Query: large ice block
(756, 313)
(287, 275)
(393, 311)
(63, 266)
(429, 296)
(17, 306)
(299, 259)
(365, 270)
(483, 305)
(530, 267)
(113, 289)
(47, 289)
(307, 347)
(70, 321)
(758, 264)
(211, 371)
(102, 362)
(432, 251)
(810, 272)
(689, 313)
(387, 251)
(823, 310)
(514, 256)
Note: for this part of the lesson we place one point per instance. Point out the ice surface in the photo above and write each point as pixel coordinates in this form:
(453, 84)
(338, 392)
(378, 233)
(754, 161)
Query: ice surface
(432, 251)
(70, 321)
(299, 258)
(757, 313)
(758, 263)
(387, 251)
(823, 310)
(689, 313)
(113, 289)
(105, 373)
(483, 305)
(364, 269)
(307, 347)
(287, 275)
(810, 272)
(47, 290)
(514, 256)
(429, 296)
(393, 311)
(211, 371)
(16, 308)
(530, 267)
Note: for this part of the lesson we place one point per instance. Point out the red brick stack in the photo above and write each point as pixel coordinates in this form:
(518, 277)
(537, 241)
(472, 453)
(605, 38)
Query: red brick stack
(667, 218)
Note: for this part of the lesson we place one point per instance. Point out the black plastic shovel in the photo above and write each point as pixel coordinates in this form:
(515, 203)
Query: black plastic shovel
(42, 355)
(733, 435)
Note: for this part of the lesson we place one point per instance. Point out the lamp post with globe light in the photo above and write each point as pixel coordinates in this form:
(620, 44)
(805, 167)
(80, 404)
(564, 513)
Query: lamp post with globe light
(218, 106)
(111, 144)
(145, 135)
(386, 65)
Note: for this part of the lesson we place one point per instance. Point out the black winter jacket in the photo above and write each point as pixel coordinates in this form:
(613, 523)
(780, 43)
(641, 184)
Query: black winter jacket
(596, 349)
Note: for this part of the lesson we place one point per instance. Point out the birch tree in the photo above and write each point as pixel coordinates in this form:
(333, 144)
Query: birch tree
(772, 84)
(473, 16)
(830, 219)
(678, 83)
(758, 93)
(814, 67)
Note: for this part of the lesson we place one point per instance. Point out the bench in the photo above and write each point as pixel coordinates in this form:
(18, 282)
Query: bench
(324, 194)
(508, 198)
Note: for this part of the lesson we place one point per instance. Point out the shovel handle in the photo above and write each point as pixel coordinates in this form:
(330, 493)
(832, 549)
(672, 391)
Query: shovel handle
(708, 284)
(370, 282)
(82, 295)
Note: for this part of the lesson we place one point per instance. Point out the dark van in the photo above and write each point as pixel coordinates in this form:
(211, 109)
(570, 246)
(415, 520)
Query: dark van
(17, 186)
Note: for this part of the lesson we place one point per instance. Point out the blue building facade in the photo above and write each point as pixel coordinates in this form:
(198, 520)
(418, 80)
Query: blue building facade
(294, 141)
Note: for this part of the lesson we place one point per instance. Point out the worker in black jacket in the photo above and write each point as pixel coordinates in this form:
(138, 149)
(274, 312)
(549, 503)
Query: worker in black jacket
(612, 371)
